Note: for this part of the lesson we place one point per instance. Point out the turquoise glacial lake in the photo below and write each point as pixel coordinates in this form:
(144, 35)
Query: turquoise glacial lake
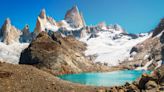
(116, 78)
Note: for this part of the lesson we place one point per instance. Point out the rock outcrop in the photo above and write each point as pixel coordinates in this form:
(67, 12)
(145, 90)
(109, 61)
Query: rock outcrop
(153, 82)
(9, 33)
(75, 18)
(58, 55)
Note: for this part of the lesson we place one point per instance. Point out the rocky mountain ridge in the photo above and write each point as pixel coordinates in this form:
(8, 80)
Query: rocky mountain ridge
(12, 37)
(149, 53)
(73, 24)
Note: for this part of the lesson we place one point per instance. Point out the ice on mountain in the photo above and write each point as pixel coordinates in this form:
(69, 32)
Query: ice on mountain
(109, 50)
(146, 65)
(146, 56)
(159, 63)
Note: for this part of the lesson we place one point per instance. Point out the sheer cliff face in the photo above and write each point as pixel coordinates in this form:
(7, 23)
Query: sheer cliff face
(75, 18)
(9, 33)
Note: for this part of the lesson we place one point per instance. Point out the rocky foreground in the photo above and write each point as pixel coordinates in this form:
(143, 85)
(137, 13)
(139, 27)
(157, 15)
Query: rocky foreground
(26, 78)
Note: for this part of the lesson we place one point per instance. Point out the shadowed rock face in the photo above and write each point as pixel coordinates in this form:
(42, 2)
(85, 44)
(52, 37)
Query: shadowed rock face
(159, 28)
(57, 55)
(9, 33)
(74, 18)
(26, 35)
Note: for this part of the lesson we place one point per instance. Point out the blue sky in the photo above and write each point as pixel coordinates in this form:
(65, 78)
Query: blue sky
(133, 15)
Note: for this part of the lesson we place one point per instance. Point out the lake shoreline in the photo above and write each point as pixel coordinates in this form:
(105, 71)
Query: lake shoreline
(35, 79)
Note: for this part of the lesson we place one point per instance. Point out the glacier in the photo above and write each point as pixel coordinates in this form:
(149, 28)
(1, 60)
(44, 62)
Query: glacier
(109, 50)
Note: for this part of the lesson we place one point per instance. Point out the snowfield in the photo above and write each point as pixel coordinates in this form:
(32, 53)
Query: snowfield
(11, 53)
(111, 48)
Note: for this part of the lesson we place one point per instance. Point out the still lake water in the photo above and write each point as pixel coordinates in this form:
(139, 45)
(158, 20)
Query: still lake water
(116, 78)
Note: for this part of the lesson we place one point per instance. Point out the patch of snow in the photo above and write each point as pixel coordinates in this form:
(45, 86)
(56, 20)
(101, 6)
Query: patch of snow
(159, 35)
(133, 53)
(146, 56)
(141, 62)
(159, 63)
(11, 53)
(130, 59)
(51, 27)
(55, 28)
(68, 27)
(146, 66)
(104, 28)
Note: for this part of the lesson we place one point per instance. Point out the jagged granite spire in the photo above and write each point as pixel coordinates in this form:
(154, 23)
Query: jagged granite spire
(74, 18)
(41, 22)
(42, 13)
(9, 33)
